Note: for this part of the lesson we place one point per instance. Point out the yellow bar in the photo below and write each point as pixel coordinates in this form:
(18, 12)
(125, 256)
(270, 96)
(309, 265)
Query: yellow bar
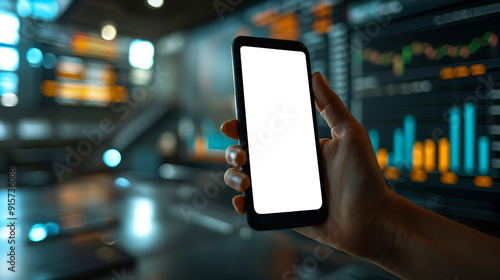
(382, 156)
(444, 155)
(418, 155)
(429, 155)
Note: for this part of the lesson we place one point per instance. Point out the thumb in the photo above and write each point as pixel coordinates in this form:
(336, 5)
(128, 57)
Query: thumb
(328, 103)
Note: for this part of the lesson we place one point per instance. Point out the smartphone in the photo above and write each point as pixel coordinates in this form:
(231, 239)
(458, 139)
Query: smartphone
(277, 129)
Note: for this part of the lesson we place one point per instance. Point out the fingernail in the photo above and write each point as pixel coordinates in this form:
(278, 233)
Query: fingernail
(232, 156)
(236, 180)
(319, 74)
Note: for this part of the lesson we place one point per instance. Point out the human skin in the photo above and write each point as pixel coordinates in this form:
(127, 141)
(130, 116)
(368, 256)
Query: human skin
(366, 218)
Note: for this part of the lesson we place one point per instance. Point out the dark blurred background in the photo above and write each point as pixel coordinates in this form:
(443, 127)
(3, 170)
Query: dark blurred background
(110, 113)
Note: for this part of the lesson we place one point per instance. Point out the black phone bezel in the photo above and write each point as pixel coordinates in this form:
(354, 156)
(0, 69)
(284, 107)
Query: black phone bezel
(278, 220)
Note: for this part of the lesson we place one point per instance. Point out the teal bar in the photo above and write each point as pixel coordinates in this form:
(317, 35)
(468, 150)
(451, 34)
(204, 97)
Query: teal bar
(483, 157)
(455, 127)
(398, 145)
(469, 137)
(375, 139)
(410, 135)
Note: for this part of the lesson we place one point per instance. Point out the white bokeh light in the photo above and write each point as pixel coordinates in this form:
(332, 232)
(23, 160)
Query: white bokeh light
(108, 32)
(9, 59)
(141, 54)
(9, 100)
(143, 217)
(9, 28)
(155, 3)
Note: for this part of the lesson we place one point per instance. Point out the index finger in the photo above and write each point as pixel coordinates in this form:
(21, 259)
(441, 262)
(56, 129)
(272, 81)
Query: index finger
(330, 106)
(230, 129)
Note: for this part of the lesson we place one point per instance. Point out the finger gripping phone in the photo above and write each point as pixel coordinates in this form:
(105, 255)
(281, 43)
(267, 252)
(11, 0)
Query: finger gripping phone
(277, 129)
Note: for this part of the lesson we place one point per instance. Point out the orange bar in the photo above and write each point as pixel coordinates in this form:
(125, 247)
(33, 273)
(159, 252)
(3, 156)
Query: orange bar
(48, 88)
(391, 173)
(418, 155)
(461, 71)
(200, 146)
(429, 156)
(443, 155)
(449, 178)
(478, 69)
(483, 181)
(418, 175)
(382, 156)
(446, 73)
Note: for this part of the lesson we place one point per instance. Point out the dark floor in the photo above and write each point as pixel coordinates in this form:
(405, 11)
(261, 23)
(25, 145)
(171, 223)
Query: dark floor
(159, 230)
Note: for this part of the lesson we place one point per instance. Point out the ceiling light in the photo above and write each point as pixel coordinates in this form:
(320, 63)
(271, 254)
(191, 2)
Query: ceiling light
(108, 32)
(155, 3)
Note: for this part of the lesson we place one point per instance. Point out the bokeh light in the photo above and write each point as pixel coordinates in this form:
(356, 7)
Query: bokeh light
(52, 228)
(8, 82)
(143, 217)
(37, 233)
(155, 3)
(4, 131)
(46, 10)
(49, 60)
(112, 157)
(9, 59)
(9, 28)
(34, 57)
(122, 183)
(108, 32)
(23, 8)
(141, 54)
(9, 100)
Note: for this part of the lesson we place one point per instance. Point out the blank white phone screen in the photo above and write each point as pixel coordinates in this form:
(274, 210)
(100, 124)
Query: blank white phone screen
(281, 141)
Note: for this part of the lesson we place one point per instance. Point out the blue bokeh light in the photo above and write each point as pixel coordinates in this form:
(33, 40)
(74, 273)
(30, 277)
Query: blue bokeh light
(23, 8)
(46, 10)
(8, 82)
(34, 57)
(49, 60)
(52, 228)
(112, 157)
(122, 183)
(37, 233)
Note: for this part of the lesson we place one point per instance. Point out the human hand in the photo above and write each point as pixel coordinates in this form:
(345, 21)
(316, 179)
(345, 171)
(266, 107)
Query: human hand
(355, 189)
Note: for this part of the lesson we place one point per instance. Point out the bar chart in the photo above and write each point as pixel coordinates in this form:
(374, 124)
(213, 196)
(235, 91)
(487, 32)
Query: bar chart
(462, 153)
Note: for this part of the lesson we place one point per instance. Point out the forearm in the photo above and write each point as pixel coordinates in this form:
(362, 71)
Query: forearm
(418, 244)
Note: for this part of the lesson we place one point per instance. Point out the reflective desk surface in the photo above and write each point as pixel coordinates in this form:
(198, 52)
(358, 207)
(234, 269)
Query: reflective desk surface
(98, 227)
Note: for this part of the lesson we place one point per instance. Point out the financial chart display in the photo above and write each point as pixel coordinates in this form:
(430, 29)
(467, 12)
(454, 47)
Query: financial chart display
(423, 77)
(424, 87)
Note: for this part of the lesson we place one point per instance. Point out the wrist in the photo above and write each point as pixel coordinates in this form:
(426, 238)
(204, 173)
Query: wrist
(384, 229)
(396, 236)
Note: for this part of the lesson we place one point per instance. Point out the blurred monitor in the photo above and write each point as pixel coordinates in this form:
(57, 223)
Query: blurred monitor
(421, 76)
